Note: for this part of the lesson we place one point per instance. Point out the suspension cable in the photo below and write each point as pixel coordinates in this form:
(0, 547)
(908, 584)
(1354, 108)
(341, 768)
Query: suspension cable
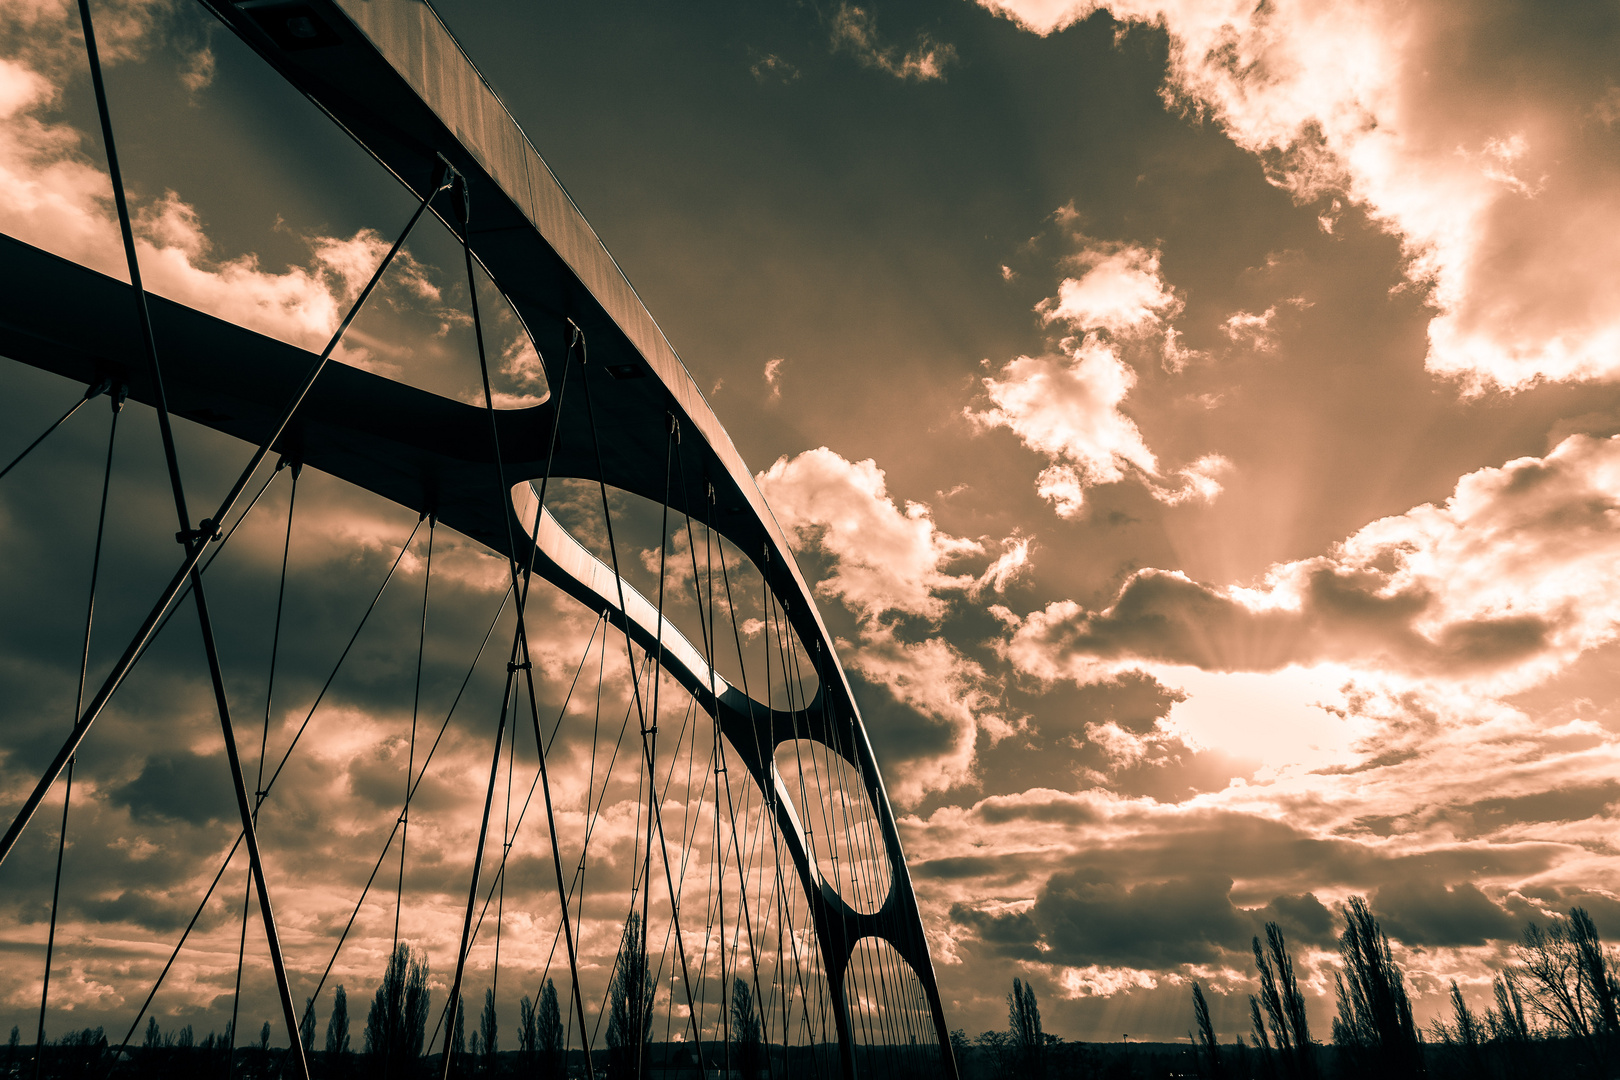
(416, 704)
(262, 796)
(84, 667)
(635, 684)
(194, 552)
(91, 391)
(420, 777)
(520, 645)
(264, 738)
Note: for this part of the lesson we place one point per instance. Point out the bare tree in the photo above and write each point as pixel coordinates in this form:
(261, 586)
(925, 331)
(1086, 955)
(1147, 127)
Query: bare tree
(489, 1028)
(1465, 1035)
(548, 1033)
(397, 1022)
(1571, 982)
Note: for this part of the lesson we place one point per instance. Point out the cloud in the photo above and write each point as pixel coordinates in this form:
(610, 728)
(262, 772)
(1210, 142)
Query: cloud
(1420, 912)
(1067, 405)
(1068, 409)
(1250, 330)
(53, 195)
(1497, 178)
(887, 559)
(889, 564)
(1120, 290)
(855, 30)
(769, 66)
(773, 376)
(1504, 584)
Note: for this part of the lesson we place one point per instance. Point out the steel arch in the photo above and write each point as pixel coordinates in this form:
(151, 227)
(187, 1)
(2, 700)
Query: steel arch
(391, 74)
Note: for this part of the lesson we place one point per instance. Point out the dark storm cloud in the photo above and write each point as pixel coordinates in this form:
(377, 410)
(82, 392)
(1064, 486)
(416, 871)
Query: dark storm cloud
(1086, 917)
(1428, 912)
(899, 733)
(182, 787)
(1167, 617)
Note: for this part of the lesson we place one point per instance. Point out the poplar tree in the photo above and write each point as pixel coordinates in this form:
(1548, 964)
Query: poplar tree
(1374, 1027)
(746, 1038)
(337, 1028)
(1208, 1044)
(548, 1033)
(630, 1004)
(488, 1027)
(1024, 1025)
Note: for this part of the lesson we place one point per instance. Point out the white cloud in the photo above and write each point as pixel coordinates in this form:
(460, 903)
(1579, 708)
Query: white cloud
(1067, 405)
(1492, 176)
(888, 561)
(1251, 330)
(1068, 409)
(1120, 290)
(854, 29)
(773, 376)
(1505, 584)
(53, 195)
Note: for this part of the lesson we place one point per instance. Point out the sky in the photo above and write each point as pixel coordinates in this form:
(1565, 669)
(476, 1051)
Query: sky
(1198, 422)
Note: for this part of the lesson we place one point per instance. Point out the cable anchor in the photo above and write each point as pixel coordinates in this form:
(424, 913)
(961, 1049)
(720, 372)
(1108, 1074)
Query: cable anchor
(206, 532)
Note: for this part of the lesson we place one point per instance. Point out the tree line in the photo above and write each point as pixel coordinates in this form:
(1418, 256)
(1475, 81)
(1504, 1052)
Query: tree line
(1555, 1007)
(395, 1035)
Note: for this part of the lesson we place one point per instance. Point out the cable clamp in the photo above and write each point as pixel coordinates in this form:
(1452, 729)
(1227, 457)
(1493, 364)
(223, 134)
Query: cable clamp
(514, 668)
(206, 532)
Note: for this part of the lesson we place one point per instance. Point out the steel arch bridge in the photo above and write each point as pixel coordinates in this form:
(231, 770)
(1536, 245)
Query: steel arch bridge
(390, 74)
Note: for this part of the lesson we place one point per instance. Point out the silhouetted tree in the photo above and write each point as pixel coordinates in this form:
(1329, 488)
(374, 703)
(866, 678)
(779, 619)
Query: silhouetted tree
(1571, 982)
(526, 1029)
(488, 1027)
(1024, 1025)
(1464, 1036)
(747, 1043)
(1261, 1039)
(458, 1043)
(630, 1004)
(337, 1027)
(959, 1048)
(306, 1026)
(999, 1056)
(548, 1033)
(1284, 1007)
(1209, 1050)
(264, 1037)
(153, 1037)
(1374, 1026)
(397, 1021)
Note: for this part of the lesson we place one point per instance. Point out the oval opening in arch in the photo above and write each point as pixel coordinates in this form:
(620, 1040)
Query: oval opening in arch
(890, 1022)
(713, 595)
(840, 824)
